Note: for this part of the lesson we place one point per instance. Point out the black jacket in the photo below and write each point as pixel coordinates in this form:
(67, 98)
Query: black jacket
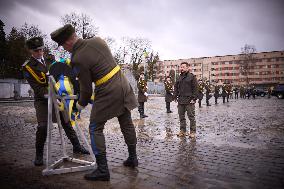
(35, 73)
(186, 88)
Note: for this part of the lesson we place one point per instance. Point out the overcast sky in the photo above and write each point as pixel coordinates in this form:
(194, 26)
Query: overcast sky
(176, 28)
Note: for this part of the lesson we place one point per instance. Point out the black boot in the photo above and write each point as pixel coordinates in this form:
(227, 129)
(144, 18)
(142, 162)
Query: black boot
(132, 160)
(71, 134)
(41, 134)
(38, 160)
(80, 150)
(168, 106)
(102, 172)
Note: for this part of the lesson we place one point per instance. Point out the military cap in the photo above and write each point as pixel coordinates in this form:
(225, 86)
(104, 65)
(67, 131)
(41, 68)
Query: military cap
(62, 34)
(35, 43)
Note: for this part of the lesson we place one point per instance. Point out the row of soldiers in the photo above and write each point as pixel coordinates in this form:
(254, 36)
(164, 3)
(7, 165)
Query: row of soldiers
(205, 88)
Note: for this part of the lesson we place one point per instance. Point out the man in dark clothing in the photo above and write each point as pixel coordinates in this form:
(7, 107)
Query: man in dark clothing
(186, 95)
(169, 88)
(35, 72)
(207, 94)
(224, 93)
(236, 91)
(216, 93)
(114, 96)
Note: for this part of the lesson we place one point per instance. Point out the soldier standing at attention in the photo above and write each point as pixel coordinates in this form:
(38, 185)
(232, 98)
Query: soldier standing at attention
(114, 96)
(186, 94)
(142, 95)
(169, 88)
(236, 90)
(224, 93)
(208, 91)
(200, 94)
(216, 93)
(35, 72)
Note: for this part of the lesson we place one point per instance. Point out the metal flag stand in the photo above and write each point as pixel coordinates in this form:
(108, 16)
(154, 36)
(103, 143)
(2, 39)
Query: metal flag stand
(54, 168)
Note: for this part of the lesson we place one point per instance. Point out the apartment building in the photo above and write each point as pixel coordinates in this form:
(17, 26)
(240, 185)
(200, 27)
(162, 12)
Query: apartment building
(264, 68)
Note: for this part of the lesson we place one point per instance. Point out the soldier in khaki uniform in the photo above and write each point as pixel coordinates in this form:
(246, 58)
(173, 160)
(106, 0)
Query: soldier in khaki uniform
(35, 72)
(186, 95)
(114, 97)
(169, 88)
(142, 95)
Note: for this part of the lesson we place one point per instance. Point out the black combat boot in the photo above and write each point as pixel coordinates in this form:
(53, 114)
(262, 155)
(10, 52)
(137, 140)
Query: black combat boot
(102, 172)
(168, 106)
(41, 134)
(132, 160)
(143, 114)
(38, 160)
(77, 147)
(80, 150)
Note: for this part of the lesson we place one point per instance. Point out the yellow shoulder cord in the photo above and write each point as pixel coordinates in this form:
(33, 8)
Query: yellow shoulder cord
(108, 76)
(38, 79)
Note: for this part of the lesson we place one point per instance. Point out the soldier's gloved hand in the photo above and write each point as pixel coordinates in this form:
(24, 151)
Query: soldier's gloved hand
(146, 94)
(79, 107)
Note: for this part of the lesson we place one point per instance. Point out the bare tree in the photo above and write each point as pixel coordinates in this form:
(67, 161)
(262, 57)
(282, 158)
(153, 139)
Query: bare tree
(83, 24)
(152, 65)
(136, 49)
(247, 58)
(30, 30)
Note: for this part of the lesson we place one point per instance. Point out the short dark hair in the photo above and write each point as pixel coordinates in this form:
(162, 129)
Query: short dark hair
(186, 63)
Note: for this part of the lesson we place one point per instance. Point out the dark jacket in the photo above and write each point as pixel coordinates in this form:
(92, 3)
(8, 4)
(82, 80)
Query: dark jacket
(216, 91)
(142, 88)
(224, 91)
(208, 91)
(200, 91)
(169, 88)
(92, 59)
(38, 80)
(186, 88)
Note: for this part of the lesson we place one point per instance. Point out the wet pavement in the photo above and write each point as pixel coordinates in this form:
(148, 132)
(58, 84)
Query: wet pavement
(239, 144)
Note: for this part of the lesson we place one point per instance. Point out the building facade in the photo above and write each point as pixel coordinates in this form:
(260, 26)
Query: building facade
(263, 68)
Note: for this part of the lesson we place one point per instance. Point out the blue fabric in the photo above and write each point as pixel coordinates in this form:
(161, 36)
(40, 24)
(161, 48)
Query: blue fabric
(92, 128)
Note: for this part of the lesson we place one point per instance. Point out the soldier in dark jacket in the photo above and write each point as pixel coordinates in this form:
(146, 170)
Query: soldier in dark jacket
(114, 97)
(224, 93)
(169, 88)
(35, 72)
(228, 89)
(142, 94)
(200, 94)
(207, 93)
(186, 95)
(216, 93)
(236, 91)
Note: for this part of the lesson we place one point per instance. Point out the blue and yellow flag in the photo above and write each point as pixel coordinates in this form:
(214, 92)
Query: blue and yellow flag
(64, 87)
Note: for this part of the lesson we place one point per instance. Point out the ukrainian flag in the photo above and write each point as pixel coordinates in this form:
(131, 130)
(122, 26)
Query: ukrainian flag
(64, 87)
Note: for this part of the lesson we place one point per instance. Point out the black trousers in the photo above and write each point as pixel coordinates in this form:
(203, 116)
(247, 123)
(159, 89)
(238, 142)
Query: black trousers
(168, 106)
(224, 99)
(141, 109)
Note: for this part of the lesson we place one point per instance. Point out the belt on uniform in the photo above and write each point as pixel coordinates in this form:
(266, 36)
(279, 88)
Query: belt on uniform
(108, 76)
